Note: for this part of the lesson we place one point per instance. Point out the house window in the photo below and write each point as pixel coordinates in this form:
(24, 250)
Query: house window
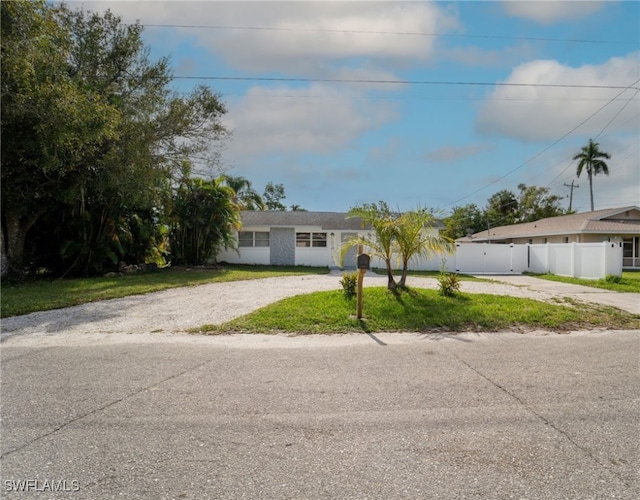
(253, 239)
(566, 239)
(311, 240)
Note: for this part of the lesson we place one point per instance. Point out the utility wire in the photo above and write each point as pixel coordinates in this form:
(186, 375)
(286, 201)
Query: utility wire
(546, 149)
(395, 33)
(605, 127)
(401, 82)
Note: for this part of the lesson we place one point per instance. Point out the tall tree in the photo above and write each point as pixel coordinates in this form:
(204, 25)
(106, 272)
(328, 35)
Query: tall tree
(502, 209)
(415, 238)
(535, 203)
(464, 220)
(51, 122)
(92, 134)
(273, 196)
(246, 197)
(203, 218)
(590, 159)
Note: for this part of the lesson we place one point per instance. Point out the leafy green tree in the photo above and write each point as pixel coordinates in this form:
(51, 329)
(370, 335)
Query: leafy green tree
(535, 203)
(591, 160)
(203, 219)
(297, 208)
(51, 123)
(382, 221)
(273, 196)
(414, 237)
(93, 136)
(502, 209)
(464, 220)
(246, 197)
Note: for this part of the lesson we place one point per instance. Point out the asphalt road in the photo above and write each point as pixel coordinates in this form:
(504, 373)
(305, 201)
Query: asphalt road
(537, 416)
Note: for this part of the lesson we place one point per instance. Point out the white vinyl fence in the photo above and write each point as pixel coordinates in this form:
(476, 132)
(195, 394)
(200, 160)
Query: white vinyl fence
(578, 260)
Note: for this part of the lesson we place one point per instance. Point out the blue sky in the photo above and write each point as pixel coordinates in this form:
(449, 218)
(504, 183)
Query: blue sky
(414, 103)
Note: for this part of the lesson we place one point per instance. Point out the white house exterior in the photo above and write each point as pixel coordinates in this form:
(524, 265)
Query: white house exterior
(618, 225)
(301, 239)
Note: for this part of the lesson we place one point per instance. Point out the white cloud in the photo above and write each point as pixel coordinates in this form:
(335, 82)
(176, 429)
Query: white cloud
(314, 39)
(551, 11)
(478, 57)
(547, 113)
(285, 120)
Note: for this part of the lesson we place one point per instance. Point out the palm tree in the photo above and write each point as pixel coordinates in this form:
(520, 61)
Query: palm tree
(381, 243)
(590, 159)
(204, 215)
(413, 239)
(246, 197)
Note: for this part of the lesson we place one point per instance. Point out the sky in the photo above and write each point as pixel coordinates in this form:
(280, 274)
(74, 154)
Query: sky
(431, 104)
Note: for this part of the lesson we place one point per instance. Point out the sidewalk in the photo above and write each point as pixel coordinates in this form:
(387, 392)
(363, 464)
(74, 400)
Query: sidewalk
(627, 301)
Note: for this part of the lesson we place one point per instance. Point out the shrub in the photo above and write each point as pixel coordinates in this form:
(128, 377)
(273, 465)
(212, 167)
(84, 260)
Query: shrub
(349, 282)
(449, 284)
(611, 278)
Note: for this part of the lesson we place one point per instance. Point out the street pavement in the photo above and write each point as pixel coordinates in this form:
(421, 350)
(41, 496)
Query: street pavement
(385, 416)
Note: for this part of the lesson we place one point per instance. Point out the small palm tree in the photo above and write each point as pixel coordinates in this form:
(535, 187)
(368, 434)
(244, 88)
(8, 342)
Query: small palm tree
(590, 159)
(383, 223)
(413, 239)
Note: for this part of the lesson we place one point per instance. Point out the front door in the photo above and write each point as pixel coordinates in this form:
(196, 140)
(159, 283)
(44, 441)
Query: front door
(349, 261)
(282, 241)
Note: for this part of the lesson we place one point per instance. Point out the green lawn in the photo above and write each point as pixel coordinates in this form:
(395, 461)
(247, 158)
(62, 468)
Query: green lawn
(427, 274)
(420, 310)
(630, 281)
(40, 294)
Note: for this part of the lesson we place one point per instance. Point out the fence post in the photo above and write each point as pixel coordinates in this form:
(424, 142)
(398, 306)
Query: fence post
(547, 256)
(572, 260)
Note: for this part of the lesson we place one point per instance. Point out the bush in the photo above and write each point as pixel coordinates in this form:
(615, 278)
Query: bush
(349, 282)
(611, 278)
(449, 284)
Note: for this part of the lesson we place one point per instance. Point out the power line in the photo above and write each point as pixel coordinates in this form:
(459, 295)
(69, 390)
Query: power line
(420, 98)
(401, 82)
(394, 33)
(605, 127)
(547, 148)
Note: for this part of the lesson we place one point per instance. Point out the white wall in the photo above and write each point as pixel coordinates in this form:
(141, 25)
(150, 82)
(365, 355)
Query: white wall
(246, 255)
(487, 258)
(579, 260)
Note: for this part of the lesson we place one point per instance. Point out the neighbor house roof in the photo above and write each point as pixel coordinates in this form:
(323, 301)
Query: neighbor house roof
(609, 221)
(325, 220)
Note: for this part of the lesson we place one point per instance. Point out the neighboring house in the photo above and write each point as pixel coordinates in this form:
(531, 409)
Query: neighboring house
(295, 238)
(613, 225)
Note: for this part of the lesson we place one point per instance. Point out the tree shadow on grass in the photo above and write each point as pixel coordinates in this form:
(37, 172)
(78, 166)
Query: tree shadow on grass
(423, 311)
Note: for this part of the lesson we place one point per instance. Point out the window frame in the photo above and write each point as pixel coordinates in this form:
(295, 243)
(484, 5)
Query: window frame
(254, 239)
(312, 239)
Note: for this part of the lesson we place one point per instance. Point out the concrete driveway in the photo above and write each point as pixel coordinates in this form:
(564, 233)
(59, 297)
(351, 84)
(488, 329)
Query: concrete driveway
(626, 301)
(159, 416)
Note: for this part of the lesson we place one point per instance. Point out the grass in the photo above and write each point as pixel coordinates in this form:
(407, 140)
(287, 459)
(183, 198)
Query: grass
(429, 274)
(419, 310)
(41, 294)
(630, 281)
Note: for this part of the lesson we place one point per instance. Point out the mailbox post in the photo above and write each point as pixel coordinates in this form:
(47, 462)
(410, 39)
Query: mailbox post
(363, 263)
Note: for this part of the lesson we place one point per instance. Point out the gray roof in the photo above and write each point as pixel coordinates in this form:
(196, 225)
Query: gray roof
(325, 220)
(610, 221)
(279, 218)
